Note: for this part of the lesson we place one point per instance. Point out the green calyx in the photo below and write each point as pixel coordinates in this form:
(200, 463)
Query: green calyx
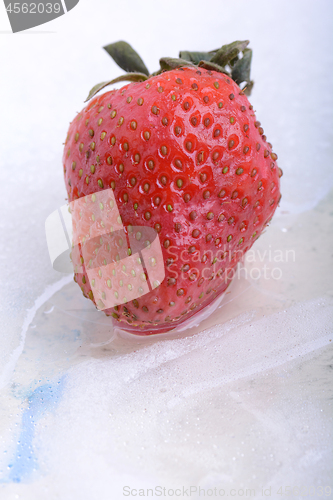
(233, 59)
(126, 57)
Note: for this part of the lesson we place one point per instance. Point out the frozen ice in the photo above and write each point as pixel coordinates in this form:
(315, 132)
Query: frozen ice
(241, 400)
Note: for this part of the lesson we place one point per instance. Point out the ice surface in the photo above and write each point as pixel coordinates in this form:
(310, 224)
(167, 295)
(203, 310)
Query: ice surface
(244, 399)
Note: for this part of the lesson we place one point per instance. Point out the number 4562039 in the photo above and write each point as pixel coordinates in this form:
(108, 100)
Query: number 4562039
(33, 8)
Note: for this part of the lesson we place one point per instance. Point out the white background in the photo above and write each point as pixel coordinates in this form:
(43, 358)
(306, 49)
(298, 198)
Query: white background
(242, 401)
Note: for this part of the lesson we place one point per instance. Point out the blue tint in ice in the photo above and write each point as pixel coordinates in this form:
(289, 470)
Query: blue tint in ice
(43, 399)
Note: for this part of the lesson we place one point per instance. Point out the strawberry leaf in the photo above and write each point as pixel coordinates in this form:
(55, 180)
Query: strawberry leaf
(241, 70)
(126, 57)
(168, 63)
(128, 77)
(227, 53)
(195, 57)
(213, 66)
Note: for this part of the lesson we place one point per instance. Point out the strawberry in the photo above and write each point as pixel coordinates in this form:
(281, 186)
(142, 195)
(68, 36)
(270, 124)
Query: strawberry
(183, 154)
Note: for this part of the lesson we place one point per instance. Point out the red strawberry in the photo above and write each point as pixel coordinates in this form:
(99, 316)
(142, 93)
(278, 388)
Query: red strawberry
(184, 154)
